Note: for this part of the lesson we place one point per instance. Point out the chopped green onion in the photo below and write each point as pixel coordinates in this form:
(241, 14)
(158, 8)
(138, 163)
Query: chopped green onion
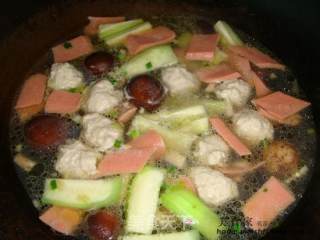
(117, 143)
(149, 65)
(53, 184)
(265, 143)
(114, 113)
(79, 89)
(67, 45)
(134, 133)
(121, 55)
(113, 81)
(172, 169)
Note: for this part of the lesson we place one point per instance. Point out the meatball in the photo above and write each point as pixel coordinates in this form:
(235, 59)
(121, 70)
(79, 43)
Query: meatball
(76, 160)
(145, 91)
(99, 62)
(65, 76)
(252, 127)
(212, 150)
(281, 159)
(100, 132)
(178, 80)
(237, 92)
(213, 187)
(103, 97)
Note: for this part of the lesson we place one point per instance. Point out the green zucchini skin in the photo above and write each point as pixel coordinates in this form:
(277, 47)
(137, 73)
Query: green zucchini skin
(83, 194)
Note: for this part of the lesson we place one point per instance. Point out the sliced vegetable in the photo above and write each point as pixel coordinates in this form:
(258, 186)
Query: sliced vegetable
(227, 33)
(179, 117)
(175, 140)
(190, 208)
(217, 107)
(159, 56)
(189, 235)
(63, 220)
(143, 200)
(198, 126)
(83, 194)
(219, 57)
(107, 30)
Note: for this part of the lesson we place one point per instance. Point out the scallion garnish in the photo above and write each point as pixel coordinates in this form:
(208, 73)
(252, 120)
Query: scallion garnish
(149, 65)
(53, 184)
(117, 143)
(67, 45)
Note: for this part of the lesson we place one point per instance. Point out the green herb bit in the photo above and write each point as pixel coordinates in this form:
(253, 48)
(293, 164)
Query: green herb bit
(53, 184)
(172, 169)
(114, 113)
(121, 55)
(67, 45)
(149, 65)
(265, 143)
(134, 133)
(117, 143)
(79, 89)
(113, 81)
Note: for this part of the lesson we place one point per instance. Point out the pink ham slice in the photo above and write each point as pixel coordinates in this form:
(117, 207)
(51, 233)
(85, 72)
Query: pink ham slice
(202, 47)
(267, 203)
(242, 65)
(63, 220)
(256, 57)
(153, 37)
(233, 141)
(32, 92)
(217, 73)
(150, 139)
(63, 102)
(72, 49)
(279, 105)
(93, 27)
(126, 161)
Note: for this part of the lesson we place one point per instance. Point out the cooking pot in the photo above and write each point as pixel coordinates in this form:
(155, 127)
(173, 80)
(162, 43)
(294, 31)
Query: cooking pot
(30, 28)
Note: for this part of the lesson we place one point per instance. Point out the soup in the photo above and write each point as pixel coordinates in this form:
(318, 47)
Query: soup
(172, 128)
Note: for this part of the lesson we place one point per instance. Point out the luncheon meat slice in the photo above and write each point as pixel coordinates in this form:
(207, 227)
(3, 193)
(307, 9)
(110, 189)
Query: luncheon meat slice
(72, 49)
(153, 37)
(233, 141)
(256, 57)
(63, 102)
(242, 65)
(63, 220)
(267, 203)
(217, 73)
(32, 92)
(94, 22)
(150, 139)
(280, 105)
(202, 47)
(130, 160)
